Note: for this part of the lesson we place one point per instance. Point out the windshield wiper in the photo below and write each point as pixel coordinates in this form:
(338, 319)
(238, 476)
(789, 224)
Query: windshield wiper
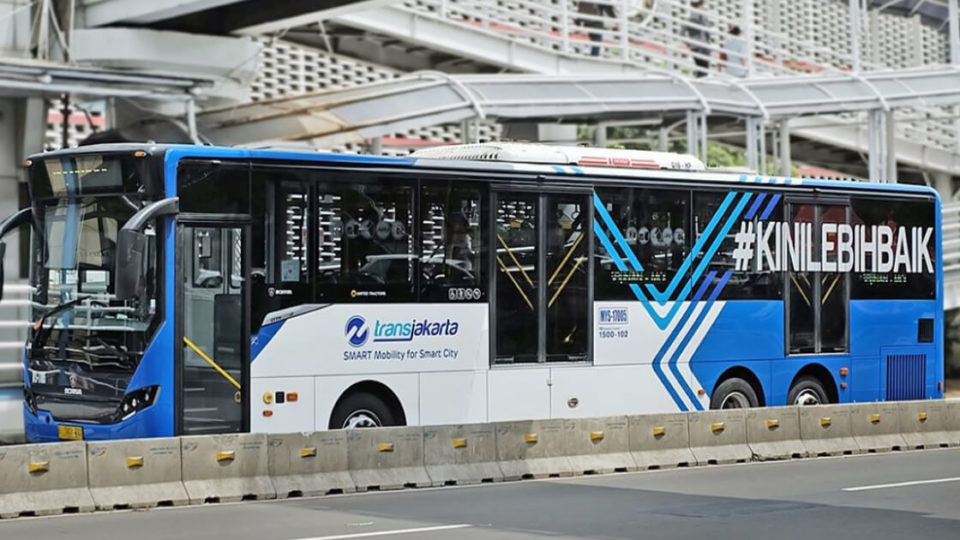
(38, 326)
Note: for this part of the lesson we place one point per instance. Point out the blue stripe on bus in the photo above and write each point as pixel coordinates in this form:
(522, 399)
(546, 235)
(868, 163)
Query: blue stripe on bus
(770, 206)
(755, 206)
(673, 362)
(615, 232)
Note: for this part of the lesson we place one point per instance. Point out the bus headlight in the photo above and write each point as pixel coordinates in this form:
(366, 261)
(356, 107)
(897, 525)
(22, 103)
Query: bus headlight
(137, 400)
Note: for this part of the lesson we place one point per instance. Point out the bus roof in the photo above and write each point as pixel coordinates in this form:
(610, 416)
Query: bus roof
(513, 157)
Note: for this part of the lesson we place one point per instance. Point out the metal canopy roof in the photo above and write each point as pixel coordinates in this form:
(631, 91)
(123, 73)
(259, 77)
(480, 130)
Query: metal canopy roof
(431, 98)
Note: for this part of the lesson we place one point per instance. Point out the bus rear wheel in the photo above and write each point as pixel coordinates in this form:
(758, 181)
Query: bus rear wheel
(807, 391)
(361, 410)
(734, 393)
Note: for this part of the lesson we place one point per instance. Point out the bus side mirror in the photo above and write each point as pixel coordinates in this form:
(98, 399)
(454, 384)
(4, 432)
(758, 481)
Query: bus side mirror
(131, 251)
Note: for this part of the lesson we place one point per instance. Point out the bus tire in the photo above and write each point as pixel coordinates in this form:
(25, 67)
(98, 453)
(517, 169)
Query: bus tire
(807, 391)
(361, 410)
(734, 393)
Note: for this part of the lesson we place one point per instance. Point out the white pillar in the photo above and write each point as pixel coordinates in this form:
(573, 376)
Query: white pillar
(855, 35)
(954, 31)
(786, 160)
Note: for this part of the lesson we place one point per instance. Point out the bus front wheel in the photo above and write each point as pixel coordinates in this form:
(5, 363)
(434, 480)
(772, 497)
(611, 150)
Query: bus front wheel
(734, 393)
(361, 410)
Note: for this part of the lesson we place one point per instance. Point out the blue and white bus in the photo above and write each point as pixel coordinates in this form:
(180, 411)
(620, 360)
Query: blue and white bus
(195, 289)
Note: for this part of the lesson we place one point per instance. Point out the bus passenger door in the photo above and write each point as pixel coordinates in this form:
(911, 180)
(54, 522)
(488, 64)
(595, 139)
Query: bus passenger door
(213, 343)
(541, 313)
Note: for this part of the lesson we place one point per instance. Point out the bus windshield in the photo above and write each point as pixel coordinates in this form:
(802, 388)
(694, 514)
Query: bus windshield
(84, 344)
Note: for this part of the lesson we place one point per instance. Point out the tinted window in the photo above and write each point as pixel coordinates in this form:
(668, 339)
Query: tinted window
(366, 242)
(451, 217)
(214, 187)
(745, 283)
(642, 239)
(912, 278)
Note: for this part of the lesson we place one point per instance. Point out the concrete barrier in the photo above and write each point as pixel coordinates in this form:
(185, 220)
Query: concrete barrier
(386, 458)
(44, 479)
(135, 473)
(952, 423)
(309, 464)
(598, 445)
(774, 433)
(461, 454)
(531, 449)
(876, 427)
(226, 468)
(923, 424)
(719, 437)
(826, 430)
(660, 441)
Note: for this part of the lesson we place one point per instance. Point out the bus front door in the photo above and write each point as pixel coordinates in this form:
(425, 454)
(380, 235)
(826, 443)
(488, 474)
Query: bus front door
(214, 341)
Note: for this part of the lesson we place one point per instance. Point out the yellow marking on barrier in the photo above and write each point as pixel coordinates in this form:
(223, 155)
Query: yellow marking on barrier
(717, 427)
(308, 452)
(268, 398)
(564, 261)
(825, 421)
(35, 467)
(210, 361)
(659, 431)
(564, 284)
(874, 418)
(385, 447)
(134, 462)
(921, 416)
(226, 455)
(459, 443)
(596, 436)
(515, 261)
(515, 284)
(773, 423)
(530, 438)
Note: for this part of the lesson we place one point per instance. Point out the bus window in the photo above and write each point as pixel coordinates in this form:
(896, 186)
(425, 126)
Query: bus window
(216, 187)
(647, 230)
(746, 284)
(920, 282)
(450, 238)
(366, 243)
(517, 272)
(567, 278)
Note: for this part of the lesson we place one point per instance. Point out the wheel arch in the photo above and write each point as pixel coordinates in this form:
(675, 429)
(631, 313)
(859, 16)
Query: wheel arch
(742, 372)
(822, 374)
(375, 388)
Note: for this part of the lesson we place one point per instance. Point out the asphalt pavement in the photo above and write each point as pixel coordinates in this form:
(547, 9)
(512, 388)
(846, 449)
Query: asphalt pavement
(900, 495)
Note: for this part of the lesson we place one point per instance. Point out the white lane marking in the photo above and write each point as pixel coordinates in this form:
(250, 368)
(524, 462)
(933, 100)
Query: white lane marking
(903, 484)
(390, 533)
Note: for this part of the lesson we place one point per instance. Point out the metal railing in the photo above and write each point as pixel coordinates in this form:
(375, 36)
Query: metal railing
(671, 35)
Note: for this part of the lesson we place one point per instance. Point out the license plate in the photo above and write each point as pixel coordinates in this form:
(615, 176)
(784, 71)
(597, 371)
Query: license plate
(70, 433)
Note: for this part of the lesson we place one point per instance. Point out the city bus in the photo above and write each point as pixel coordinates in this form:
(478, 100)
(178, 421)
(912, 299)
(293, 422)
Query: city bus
(197, 289)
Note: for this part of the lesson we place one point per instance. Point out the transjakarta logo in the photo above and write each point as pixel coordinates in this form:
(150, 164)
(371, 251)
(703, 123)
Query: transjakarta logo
(798, 247)
(357, 331)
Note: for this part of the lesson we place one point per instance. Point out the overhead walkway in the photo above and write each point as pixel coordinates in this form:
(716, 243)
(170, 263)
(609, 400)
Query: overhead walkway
(812, 36)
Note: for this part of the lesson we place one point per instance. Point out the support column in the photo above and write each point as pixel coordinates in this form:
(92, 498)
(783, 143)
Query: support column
(376, 146)
(876, 143)
(192, 121)
(954, 31)
(889, 146)
(943, 183)
(600, 135)
(854, 34)
(697, 134)
(748, 35)
(756, 144)
(663, 139)
(786, 160)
